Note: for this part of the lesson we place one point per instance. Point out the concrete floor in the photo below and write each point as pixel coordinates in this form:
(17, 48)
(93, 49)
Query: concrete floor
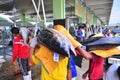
(6, 71)
(80, 71)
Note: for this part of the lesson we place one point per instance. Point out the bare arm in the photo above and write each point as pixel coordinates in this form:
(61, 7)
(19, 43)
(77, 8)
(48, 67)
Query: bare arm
(31, 63)
(84, 53)
(69, 74)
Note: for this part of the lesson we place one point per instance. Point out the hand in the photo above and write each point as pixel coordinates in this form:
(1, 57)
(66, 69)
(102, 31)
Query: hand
(14, 63)
(84, 76)
(31, 64)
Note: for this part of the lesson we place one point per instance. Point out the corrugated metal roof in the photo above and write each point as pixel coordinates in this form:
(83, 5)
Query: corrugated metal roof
(101, 8)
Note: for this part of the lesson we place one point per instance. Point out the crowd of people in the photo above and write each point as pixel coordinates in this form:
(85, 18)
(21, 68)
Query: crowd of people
(55, 66)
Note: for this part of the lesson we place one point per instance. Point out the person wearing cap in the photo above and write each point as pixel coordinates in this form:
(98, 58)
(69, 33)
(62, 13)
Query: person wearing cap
(81, 32)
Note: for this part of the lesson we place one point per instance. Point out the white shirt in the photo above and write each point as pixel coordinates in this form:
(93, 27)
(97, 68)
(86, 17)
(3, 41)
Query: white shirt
(76, 32)
(33, 42)
(111, 73)
(83, 31)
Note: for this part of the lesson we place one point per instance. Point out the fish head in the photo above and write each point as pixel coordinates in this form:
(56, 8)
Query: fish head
(44, 35)
(25, 33)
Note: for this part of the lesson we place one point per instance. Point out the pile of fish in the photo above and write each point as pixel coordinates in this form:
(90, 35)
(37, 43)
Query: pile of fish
(56, 41)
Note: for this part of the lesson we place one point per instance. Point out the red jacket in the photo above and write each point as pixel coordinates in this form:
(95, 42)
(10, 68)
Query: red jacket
(20, 50)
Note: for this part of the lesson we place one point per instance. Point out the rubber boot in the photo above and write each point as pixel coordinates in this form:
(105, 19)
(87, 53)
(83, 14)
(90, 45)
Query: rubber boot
(27, 77)
(29, 73)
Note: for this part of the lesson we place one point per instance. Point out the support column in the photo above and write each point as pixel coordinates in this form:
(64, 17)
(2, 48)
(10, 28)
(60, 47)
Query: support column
(80, 19)
(59, 9)
(95, 20)
(91, 19)
(23, 23)
(84, 14)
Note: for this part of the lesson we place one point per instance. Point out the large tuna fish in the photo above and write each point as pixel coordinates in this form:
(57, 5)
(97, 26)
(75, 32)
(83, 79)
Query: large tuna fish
(56, 41)
(103, 43)
(25, 34)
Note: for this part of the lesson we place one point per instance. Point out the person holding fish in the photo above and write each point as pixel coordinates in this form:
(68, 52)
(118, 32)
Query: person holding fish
(54, 60)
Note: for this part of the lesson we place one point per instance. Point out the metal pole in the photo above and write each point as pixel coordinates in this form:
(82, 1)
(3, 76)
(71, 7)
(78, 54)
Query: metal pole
(43, 13)
(37, 19)
(36, 10)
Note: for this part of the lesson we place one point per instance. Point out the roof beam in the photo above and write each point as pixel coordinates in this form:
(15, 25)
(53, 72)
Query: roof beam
(5, 2)
(98, 2)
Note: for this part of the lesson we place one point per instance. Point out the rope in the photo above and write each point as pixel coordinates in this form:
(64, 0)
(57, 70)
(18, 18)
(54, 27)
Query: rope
(36, 10)
(37, 20)
(43, 13)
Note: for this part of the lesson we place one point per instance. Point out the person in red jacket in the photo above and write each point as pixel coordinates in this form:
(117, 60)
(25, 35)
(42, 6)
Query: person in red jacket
(96, 68)
(21, 54)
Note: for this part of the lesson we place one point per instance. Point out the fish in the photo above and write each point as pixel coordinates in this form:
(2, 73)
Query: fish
(103, 43)
(25, 34)
(56, 41)
(90, 40)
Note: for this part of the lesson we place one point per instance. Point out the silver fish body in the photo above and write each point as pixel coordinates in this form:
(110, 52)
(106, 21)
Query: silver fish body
(56, 41)
(24, 32)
